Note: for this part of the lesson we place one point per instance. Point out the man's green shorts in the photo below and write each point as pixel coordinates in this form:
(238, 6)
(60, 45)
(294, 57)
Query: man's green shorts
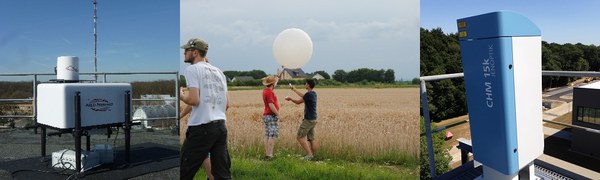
(307, 128)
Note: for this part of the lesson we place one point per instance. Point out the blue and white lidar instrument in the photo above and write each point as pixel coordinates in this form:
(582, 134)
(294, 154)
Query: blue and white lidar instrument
(501, 58)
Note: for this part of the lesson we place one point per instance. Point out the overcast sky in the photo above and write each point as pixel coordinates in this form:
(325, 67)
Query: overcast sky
(349, 34)
(560, 21)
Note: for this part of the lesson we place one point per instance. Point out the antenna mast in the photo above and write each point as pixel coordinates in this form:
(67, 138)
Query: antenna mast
(95, 44)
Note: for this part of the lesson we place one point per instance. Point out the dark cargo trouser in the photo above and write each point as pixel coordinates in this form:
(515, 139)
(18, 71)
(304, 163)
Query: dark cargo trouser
(200, 140)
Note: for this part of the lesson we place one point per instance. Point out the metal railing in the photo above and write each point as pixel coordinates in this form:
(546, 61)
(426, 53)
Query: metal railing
(425, 107)
(104, 78)
(427, 121)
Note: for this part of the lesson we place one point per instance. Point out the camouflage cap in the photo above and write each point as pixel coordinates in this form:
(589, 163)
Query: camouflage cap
(196, 43)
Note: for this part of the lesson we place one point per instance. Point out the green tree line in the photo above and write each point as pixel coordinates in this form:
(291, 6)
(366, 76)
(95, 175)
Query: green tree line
(357, 75)
(23, 89)
(16, 90)
(568, 57)
(440, 54)
(256, 74)
(364, 74)
(153, 87)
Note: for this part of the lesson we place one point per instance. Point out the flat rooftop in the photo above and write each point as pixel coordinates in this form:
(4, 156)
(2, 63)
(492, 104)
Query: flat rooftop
(557, 162)
(592, 85)
(154, 155)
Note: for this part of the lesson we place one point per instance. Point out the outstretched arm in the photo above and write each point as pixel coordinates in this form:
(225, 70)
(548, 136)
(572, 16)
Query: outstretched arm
(297, 101)
(296, 90)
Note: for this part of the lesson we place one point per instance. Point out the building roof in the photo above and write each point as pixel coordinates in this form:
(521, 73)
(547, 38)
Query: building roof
(317, 76)
(592, 85)
(157, 96)
(237, 78)
(296, 73)
(157, 111)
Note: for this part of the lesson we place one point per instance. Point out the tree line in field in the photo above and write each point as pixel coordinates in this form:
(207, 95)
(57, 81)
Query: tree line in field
(362, 76)
(365, 74)
(440, 54)
(23, 89)
(256, 74)
(357, 75)
(16, 90)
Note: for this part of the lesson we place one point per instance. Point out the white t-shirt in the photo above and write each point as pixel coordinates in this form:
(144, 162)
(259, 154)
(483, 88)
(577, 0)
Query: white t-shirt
(212, 85)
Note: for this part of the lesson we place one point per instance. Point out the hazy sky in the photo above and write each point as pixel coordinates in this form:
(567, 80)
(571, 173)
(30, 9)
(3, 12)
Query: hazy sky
(349, 34)
(560, 21)
(133, 35)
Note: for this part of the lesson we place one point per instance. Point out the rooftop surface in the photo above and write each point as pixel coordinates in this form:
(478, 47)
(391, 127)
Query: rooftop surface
(154, 155)
(557, 156)
(593, 85)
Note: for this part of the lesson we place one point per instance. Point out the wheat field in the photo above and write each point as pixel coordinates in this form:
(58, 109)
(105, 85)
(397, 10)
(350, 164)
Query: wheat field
(365, 124)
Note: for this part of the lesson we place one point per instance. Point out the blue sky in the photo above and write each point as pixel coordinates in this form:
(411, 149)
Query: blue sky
(133, 35)
(346, 34)
(560, 21)
(141, 35)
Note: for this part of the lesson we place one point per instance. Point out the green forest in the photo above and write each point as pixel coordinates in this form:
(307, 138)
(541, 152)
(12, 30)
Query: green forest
(340, 75)
(356, 77)
(440, 54)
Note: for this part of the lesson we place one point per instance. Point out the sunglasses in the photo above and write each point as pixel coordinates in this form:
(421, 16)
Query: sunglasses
(192, 43)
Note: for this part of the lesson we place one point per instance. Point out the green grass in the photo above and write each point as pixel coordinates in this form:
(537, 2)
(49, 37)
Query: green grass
(330, 163)
(292, 166)
(348, 154)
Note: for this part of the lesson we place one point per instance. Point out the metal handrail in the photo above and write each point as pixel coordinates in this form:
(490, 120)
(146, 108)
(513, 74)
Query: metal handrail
(425, 106)
(144, 119)
(154, 99)
(592, 130)
(427, 120)
(151, 119)
(104, 74)
(26, 74)
(16, 100)
(441, 77)
(89, 73)
(571, 73)
(17, 116)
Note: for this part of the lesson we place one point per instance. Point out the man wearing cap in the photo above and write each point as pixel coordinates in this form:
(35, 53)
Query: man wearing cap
(306, 132)
(270, 115)
(207, 95)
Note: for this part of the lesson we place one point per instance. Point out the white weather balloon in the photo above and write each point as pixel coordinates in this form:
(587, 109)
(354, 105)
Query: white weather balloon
(292, 48)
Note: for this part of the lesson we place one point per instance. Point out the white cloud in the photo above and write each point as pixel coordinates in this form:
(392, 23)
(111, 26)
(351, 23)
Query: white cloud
(242, 31)
(351, 31)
